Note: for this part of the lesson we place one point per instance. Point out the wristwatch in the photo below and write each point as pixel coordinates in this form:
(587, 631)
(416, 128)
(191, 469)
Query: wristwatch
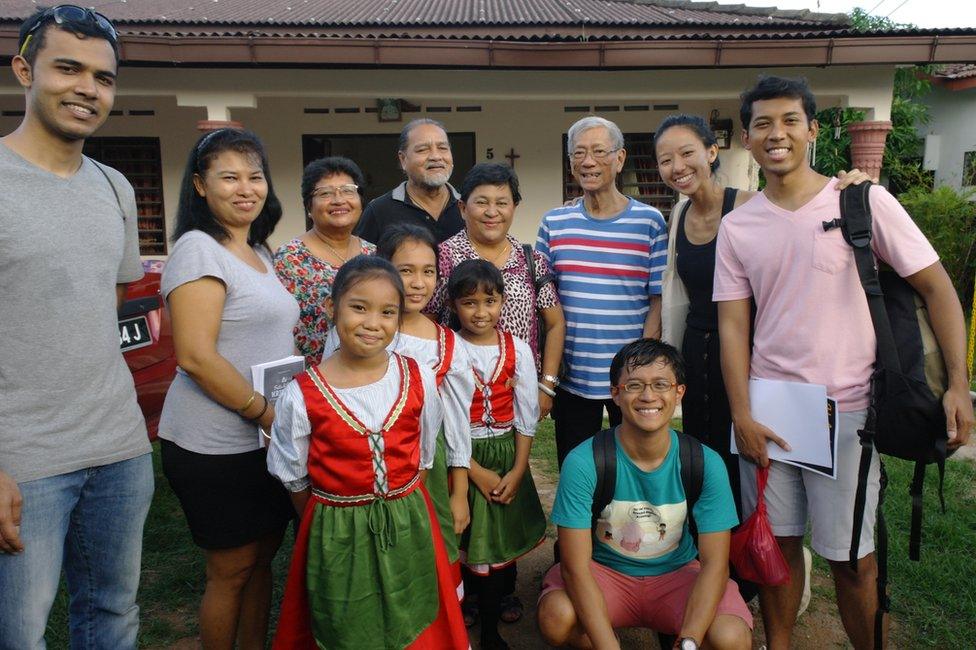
(687, 643)
(552, 379)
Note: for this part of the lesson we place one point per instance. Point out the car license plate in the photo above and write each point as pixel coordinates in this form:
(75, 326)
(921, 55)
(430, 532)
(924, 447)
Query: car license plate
(134, 333)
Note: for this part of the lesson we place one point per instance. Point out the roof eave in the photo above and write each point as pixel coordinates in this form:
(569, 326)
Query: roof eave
(789, 51)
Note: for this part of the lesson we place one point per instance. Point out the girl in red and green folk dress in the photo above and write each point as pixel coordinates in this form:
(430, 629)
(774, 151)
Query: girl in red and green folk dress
(413, 252)
(506, 516)
(350, 440)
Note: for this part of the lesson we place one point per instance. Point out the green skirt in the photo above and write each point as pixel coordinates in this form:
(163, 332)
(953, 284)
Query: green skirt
(498, 533)
(437, 488)
(374, 574)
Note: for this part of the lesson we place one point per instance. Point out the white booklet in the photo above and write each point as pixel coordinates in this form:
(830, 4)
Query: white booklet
(803, 416)
(270, 379)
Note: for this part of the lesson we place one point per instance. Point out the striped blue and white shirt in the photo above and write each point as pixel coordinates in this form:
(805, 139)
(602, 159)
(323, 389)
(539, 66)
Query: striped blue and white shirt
(606, 270)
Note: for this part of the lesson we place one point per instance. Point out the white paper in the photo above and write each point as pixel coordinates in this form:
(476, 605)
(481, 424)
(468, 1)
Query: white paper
(797, 413)
(270, 379)
(828, 471)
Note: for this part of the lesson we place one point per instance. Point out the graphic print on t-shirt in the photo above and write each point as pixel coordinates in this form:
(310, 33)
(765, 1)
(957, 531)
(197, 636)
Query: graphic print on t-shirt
(641, 529)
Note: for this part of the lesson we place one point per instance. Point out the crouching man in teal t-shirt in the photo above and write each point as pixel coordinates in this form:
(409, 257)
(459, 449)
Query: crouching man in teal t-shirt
(638, 567)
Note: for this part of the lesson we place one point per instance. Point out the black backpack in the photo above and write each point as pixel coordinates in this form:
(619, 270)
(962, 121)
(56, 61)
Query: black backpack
(605, 458)
(692, 479)
(905, 418)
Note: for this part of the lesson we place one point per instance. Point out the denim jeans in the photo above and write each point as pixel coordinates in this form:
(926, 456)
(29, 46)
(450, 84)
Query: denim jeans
(90, 523)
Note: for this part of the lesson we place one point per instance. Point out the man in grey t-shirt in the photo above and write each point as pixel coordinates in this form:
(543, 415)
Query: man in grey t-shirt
(75, 471)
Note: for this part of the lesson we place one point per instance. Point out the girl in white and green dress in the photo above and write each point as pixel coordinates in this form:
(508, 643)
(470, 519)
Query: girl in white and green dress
(507, 520)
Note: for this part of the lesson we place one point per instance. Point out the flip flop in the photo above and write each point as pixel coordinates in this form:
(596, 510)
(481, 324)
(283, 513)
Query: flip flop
(511, 609)
(470, 611)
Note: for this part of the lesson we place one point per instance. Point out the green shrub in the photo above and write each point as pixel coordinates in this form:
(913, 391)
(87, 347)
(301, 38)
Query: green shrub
(948, 219)
(834, 153)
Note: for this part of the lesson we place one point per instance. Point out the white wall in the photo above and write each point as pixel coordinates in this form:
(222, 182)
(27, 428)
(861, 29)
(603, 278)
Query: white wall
(953, 120)
(523, 110)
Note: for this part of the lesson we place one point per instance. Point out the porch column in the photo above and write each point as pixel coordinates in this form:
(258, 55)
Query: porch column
(206, 126)
(219, 106)
(867, 145)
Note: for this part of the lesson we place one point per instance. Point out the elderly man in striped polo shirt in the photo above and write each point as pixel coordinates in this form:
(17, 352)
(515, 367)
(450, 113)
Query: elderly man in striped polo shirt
(608, 252)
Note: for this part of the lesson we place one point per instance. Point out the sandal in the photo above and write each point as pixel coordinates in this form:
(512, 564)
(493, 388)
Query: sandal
(511, 609)
(470, 611)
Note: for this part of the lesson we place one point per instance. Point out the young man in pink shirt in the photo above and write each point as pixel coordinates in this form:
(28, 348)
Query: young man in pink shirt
(812, 325)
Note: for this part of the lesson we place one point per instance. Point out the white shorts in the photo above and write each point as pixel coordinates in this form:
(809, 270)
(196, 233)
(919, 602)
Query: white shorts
(794, 494)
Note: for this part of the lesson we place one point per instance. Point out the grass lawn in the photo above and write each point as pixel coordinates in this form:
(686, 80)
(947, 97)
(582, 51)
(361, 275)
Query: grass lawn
(933, 601)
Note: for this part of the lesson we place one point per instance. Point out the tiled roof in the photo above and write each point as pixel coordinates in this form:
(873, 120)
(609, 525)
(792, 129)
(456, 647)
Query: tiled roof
(444, 13)
(955, 71)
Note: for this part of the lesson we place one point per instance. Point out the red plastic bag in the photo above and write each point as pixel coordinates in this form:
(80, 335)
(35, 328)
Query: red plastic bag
(754, 552)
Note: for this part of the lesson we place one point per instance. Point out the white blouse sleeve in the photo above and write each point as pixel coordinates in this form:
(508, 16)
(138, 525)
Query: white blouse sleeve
(431, 418)
(457, 391)
(526, 389)
(290, 433)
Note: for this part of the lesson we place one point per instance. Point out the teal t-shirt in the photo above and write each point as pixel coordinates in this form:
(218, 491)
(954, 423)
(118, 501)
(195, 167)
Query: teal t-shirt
(643, 532)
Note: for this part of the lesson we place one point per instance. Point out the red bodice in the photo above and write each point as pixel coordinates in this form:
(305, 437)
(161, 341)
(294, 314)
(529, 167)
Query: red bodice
(446, 341)
(349, 463)
(494, 396)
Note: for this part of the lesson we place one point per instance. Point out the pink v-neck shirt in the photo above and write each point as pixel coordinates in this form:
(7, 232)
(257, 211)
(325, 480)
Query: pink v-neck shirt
(812, 320)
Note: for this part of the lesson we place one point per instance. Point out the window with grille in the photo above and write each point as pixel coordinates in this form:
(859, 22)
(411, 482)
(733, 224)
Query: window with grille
(139, 161)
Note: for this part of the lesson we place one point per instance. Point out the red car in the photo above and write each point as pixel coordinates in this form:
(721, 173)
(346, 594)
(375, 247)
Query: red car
(146, 339)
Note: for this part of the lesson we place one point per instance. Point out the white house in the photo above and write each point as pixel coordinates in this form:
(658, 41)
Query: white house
(950, 136)
(507, 77)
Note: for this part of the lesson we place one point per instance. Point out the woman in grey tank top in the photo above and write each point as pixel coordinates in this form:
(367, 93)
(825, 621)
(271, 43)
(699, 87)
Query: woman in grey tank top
(229, 312)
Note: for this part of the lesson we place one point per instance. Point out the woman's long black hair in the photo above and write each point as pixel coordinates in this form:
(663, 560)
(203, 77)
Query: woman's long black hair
(193, 212)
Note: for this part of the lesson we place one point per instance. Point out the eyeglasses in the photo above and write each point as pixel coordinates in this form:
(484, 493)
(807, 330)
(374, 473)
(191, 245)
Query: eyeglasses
(328, 192)
(600, 155)
(71, 14)
(659, 386)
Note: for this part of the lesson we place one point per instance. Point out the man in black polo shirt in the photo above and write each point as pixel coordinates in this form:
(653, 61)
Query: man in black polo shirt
(425, 198)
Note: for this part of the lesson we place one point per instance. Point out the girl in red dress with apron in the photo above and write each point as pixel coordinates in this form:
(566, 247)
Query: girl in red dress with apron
(350, 440)
(507, 520)
(413, 252)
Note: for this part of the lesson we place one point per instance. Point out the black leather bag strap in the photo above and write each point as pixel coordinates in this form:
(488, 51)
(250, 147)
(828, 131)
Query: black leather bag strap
(918, 481)
(605, 459)
(866, 436)
(855, 223)
(856, 226)
(692, 459)
(884, 605)
(537, 282)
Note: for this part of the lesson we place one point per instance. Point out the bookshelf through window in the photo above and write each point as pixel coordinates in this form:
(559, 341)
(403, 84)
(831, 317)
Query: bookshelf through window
(139, 161)
(639, 178)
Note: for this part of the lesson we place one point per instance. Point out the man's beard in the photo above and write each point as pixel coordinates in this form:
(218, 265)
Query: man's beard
(434, 180)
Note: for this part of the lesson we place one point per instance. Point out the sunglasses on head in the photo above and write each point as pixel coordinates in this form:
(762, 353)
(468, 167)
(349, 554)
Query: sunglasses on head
(71, 14)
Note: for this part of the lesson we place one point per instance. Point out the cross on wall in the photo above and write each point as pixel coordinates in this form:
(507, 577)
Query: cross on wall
(512, 157)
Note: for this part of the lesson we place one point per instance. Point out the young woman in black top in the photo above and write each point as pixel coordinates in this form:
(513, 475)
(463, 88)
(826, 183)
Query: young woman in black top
(687, 158)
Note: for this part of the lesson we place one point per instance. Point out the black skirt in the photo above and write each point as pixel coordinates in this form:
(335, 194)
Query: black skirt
(229, 500)
(705, 409)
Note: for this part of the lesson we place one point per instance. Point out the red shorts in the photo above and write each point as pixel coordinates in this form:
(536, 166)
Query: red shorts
(655, 602)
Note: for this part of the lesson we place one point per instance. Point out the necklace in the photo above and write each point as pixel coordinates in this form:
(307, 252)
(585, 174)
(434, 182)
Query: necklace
(425, 203)
(494, 258)
(331, 248)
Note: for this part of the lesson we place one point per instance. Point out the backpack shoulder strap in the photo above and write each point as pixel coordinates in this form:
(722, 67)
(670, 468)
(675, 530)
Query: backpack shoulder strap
(605, 459)
(692, 458)
(118, 199)
(856, 225)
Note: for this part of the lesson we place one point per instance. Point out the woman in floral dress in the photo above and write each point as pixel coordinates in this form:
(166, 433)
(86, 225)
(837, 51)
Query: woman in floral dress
(332, 192)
